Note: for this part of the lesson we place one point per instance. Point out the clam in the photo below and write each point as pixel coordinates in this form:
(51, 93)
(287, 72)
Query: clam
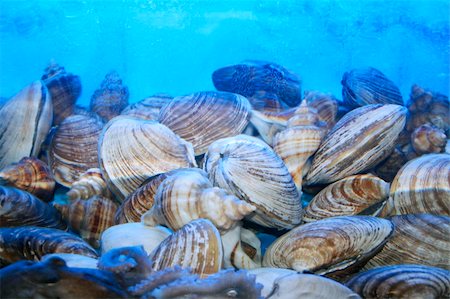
(20, 208)
(252, 76)
(197, 245)
(31, 175)
(187, 195)
(31, 243)
(64, 88)
(111, 98)
(428, 139)
(360, 140)
(90, 217)
(325, 104)
(131, 150)
(248, 168)
(147, 108)
(133, 234)
(89, 184)
(329, 245)
(234, 251)
(266, 101)
(73, 260)
(402, 281)
(204, 117)
(367, 86)
(26, 120)
(362, 194)
(268, 124)
(74, 148)
(417, 239)
(421, 186)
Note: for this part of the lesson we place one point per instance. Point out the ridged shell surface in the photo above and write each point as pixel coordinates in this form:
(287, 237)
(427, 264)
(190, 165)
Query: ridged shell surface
(329, 245)
(350, 196)
(89, 184)
(252, 171)
(325, 104)
(196, 245)
(74, 148)
(31, 175)
(131, 150)
(147, 108)
(402, 281)
(428, 139)
(360, 140)
(204, 117)
(26, 120)
(235, 241)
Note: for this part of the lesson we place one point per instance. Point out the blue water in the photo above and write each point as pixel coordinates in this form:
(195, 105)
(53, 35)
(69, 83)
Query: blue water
(174, 46)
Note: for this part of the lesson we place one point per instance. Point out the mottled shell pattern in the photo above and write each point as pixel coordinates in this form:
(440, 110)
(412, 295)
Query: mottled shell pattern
(147, 108)
(74, 148)
(197, 245)
(360, 140)
(329, 245)
(252, 171)
(31, 175)
(26, 120)
(131, 150)
(89, 184)
(362, 194)
(428, 139)
(204, 117)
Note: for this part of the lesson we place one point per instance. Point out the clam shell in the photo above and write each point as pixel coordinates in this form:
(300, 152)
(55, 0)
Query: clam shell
(31, 175)
(27, 118)
(402, 281)
(131, 150)
(31, 243)
(360, 140)
(133, 234)
(197, 245)
(325, 104)
(329, 245)
(367, 86)
(20, 208)
(252, 76)
(64, 88)
(187, 195)
(427, 139)
(234, 252)
(111, 98)
(74, 148)
(73, 260)
(266, 101)
(252, 171)
(89, 184)
(204, 117)
(417, 239)
(147, 108)
(421, 186)
(357, 194)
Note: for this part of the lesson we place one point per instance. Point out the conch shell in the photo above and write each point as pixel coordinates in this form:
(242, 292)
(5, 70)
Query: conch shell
(427, 139)
(147, 108)
(235, 255)
(26, 120)
(89, 184)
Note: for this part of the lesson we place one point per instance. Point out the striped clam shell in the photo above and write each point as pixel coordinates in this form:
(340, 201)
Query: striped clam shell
(204, 117)
(360, 140)
(417, 239)
(421, 186)
(31, 243)
(89, 184)
(131, 150)
(326, 106)
(20, 208)
(342, 242)
(73, 149)
(367, 86)
(248, 168)
(402, 281)
(197, 245)
(266, 101)
(26, 120)
(357, 194)
(147, 108)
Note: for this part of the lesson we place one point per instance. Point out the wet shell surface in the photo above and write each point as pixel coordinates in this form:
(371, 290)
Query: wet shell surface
(235, 254)
(89, 184)
(31, 175)
(26, 120)
(421, 186)
(197, 245)
(111, 98)
(357, 194)
(31, 243)
(252, 171)
(329, 245)
(188, 195)
(402, 281)
(360, 140)
(147, 108)
(131, 150)
(417, 239)
(367, 86)
(20, 208)
(204, 117)
(74, 148)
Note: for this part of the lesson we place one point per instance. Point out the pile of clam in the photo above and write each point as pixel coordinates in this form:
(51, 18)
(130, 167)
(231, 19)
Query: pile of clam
(250, 191)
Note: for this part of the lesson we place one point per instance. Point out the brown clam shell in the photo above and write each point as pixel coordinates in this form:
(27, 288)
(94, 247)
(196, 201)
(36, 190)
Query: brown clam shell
(325, 104)
(147, 108)
(89, 184)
